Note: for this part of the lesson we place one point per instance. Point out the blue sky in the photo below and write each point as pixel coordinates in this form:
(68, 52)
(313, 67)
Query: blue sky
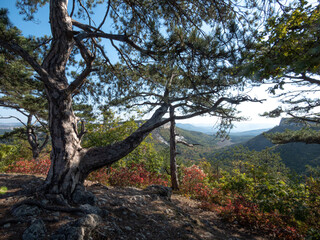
(251, 110)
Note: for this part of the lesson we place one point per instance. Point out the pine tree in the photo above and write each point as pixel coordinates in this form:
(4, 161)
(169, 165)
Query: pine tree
(288, 55)
(143, 33)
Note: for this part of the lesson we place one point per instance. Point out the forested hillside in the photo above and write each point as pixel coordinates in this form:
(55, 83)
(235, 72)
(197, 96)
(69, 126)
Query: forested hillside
(203, 143)
(295, 155)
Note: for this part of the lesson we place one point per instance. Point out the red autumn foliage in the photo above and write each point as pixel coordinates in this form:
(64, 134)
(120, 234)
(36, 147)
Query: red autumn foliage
(194, 183)
(33, 166)
(133, 175)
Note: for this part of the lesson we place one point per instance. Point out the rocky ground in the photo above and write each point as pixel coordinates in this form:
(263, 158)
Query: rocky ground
(120, 213)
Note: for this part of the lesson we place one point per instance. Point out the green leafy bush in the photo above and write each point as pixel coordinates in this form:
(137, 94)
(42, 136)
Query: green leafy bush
(9, 153)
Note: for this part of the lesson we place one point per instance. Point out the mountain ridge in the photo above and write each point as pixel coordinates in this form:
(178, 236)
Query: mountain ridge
(294, 155)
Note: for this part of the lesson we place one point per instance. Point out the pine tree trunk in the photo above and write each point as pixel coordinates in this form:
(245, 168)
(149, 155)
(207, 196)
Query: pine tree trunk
(65, 172)
(70, 163)
(173, 152)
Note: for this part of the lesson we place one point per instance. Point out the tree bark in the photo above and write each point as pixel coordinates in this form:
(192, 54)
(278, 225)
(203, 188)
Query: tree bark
(64, 172)
(173, 152)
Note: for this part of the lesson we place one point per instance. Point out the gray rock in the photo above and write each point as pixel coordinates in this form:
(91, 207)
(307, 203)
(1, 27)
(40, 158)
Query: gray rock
(160, 190)
(26, 210)
(128, 228)
(77, 230)
(81, 196)
(140, 236)
(7, 225)
(36, 231)
(91, 209)
(45, 201)
(56, 214)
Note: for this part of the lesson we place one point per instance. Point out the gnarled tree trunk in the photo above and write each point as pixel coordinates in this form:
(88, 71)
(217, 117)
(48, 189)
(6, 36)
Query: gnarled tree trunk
(64, 173)
(70, 163)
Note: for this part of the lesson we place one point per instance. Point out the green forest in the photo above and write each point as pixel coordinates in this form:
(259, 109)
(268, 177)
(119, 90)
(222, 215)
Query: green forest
(99, 98)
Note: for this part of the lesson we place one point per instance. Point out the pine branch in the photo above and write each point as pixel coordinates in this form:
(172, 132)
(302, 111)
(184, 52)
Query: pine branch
(15, 48)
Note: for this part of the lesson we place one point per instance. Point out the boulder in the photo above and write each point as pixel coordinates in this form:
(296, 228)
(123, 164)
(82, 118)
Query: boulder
(25, 210)
(89, 209)
(77, 230)
(81, 196)
(159, 190)
(36, 231)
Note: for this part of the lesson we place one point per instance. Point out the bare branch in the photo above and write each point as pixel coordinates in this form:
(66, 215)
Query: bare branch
(105, 16)
(115, 37)
(86, 10)
(14, 118)
(100, 156)
(125, 58)
(15, 107)
(88, 57)
(73, 7)
(216, 105)
(187, 144)
(103, 53)
(45, 142)
(305, 118)
(42, 124)
(305, 78)
(82, 131)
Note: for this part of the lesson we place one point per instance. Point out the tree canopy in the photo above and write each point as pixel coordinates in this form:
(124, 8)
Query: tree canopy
(20, 90)
(179, 54)
(288, 56)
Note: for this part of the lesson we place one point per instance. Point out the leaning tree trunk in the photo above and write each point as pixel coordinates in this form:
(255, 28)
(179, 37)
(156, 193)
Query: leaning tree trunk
(173, 152)
(71, 164)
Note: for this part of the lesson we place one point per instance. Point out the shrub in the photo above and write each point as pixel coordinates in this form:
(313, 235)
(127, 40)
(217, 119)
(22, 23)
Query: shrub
(40, 166)
(133, 175)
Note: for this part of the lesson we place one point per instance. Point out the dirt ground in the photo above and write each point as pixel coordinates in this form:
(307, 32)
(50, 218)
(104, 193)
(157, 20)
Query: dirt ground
(131, 214)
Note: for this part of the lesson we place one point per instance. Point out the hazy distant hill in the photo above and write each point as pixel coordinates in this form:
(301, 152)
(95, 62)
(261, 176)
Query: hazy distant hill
(7, 127)
(294, 155)
(204, 129)
(208, 143)
(250, 133)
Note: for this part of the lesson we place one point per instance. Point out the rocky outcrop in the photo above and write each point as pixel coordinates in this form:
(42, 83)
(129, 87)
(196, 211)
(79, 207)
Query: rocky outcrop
(77, 230)
(81, 196)
(36, 231)
(25, 210)
(292, 122)
(159, 190)
(120, 213)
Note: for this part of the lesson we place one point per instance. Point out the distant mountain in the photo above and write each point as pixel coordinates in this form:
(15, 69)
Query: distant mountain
(204, 129)
(294, 155)
(7, 127)
(210, 130)
(250, 133)
(204, 143)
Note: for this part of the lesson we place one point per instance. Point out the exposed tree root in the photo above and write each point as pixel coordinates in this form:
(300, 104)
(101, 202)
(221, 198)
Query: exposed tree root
(50, 208)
